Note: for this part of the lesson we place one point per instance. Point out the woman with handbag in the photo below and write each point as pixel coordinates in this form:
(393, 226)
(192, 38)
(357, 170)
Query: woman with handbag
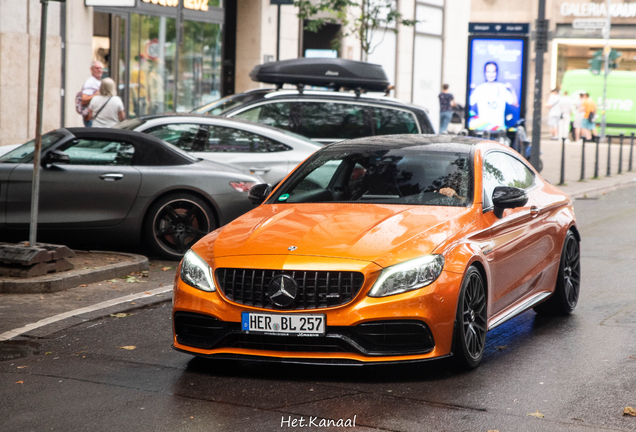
(106, 109)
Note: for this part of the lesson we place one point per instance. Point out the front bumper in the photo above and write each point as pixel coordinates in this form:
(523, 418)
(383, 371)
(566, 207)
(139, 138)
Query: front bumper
(417, 325)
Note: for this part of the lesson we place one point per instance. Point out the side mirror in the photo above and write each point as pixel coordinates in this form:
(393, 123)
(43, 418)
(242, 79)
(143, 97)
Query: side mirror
(504, 197)
(258, 193)
(56, 157)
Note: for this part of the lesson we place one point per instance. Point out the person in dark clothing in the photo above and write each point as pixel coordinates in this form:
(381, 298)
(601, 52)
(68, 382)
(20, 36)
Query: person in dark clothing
(446, 104)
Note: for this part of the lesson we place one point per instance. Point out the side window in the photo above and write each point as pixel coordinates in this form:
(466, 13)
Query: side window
(186, 136)
(318, 179)
(332, 120)
(95, 152)
(275, 114)
(503, 170)
(388, 121)
(238, 141)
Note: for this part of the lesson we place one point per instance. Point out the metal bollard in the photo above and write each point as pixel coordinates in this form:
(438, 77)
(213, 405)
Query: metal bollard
(609, 155)
(562, 180)
(631, 152)
(582, 160)
(487, 134)
(598, 140)
(620, 155)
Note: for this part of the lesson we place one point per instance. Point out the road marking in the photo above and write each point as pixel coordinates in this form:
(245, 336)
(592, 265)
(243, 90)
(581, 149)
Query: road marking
(55, 318)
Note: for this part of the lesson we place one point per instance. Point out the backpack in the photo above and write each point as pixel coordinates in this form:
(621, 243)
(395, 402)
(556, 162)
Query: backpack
(81, 109)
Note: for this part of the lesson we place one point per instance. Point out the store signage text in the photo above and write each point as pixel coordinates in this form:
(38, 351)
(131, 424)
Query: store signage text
(200, 5)
(624, 10)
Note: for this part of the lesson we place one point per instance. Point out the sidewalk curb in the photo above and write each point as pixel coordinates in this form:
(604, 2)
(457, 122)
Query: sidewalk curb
(56, 282)
(602, 190)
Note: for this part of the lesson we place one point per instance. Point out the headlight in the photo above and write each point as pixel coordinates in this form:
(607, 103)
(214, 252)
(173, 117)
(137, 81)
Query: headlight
(408, 276)
(195, 272)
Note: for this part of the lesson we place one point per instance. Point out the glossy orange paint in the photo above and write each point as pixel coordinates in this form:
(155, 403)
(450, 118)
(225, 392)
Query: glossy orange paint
(370, 237)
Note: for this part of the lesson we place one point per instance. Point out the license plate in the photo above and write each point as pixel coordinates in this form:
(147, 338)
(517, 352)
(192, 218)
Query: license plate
(284, 325)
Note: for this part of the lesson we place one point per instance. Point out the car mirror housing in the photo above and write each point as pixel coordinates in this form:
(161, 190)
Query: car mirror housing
(259, 192)
(56, 157)
(504, 197)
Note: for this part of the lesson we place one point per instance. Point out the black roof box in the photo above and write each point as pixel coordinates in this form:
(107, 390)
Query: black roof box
(323, 72)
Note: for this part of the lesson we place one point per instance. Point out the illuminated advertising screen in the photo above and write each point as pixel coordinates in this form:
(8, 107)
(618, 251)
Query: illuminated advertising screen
(495, 83)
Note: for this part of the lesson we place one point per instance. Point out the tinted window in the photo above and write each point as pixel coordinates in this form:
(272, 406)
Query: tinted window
(94, 152)
(413, 175)
(181, 135)
(239, 141)
(24, 153)
(332, 120)
(503, 170)
(272, 114)
(388, 121)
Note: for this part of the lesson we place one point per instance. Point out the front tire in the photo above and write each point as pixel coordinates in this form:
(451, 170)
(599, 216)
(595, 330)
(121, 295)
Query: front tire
(176, 222)
(471, 320)
(566, 293)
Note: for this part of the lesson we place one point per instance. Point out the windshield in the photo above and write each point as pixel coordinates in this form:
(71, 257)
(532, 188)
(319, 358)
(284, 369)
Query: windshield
(24, 153)
(226, 104)
(130, 124)
(411, 175)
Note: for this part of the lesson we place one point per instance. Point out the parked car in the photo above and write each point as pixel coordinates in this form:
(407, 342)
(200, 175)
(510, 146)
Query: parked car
(383, 249)
(325, 116)
(120, 186)
(7, 148)
(268, 152)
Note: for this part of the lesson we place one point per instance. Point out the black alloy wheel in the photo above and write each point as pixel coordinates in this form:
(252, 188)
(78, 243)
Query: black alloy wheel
(471, 321)
(176, 222)
(566, 292)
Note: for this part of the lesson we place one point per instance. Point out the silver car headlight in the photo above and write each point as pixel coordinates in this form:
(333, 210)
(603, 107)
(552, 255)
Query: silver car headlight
(196, 272)
(408, 276)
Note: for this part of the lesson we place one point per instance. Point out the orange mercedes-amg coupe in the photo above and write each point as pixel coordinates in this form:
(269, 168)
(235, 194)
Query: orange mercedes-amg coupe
(385, 249)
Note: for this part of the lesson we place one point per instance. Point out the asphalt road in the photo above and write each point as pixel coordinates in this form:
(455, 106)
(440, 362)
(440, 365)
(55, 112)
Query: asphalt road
(579, 372)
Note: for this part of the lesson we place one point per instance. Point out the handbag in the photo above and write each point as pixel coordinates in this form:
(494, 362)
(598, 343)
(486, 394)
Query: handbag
(103, 106)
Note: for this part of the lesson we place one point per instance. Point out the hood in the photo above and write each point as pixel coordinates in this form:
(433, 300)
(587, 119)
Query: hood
(378, 233)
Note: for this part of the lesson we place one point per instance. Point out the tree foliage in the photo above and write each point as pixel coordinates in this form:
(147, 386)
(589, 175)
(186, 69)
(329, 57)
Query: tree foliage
(360, 18)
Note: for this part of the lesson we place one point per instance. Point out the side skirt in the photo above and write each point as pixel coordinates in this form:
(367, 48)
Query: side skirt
(519, 308)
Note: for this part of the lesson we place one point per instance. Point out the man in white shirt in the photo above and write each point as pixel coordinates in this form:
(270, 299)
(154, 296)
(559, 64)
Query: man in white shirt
(491, 98)
(91, 86)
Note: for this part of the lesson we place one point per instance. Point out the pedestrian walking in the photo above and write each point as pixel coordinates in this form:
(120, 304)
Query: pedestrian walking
(106, 109)
(446, 104)
(89, 89)
(588, 125)
(567, 108)
(554, 115)
(578, 118)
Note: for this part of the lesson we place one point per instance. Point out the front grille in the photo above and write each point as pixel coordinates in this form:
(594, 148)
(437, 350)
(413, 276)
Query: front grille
(379, 338)
(316, 289)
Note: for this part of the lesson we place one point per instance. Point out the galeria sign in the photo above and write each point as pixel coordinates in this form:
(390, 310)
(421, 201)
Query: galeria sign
(624, 10)
(201, 5)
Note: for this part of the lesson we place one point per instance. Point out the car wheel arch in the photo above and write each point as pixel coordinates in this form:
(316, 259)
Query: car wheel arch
(213, 205)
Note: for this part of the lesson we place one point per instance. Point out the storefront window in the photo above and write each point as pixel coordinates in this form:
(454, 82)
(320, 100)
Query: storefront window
(152, 63)
(199, 65)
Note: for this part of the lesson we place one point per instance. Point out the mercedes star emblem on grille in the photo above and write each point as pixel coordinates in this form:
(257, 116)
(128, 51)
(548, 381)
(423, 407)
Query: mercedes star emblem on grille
(283, 290)
(292, 248)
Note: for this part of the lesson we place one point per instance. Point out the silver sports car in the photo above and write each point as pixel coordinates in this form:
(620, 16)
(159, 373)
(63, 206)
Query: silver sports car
(101, 186)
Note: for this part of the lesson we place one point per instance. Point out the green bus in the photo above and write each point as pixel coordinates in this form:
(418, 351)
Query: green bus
(621, 97)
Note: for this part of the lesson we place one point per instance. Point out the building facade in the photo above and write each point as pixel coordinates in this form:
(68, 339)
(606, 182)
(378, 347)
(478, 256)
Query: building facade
(175, 55)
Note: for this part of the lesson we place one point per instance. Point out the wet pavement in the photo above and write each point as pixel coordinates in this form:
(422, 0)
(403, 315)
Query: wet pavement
(578, 372)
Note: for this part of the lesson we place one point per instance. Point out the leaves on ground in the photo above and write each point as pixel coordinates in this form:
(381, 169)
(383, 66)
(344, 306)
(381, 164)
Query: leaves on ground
(120, 315)
(21, 367)
(536, 414)
(19, 382)
(166, 268)
(133, 279)
(144, 273)
(113, 280)
(501, 348)
(629, 411)
(128, 347)
(83, 285)
(48, 353)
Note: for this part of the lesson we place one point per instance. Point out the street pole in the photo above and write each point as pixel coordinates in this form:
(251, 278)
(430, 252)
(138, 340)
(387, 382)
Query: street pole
(606, 53)
(278, 34)
(540, 47)
(35, 186)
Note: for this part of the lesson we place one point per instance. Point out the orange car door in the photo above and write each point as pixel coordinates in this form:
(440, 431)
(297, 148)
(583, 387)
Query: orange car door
(517, 238)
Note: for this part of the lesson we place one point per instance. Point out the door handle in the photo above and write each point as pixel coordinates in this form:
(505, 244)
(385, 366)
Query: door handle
(260, 170)
(111, 177)
(534, 211)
